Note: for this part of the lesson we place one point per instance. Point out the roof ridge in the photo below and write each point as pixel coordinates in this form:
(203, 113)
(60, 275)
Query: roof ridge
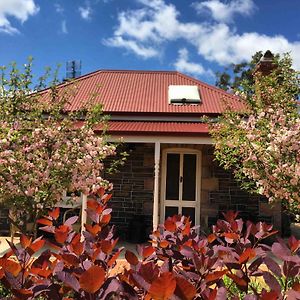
(137, 71)
(210, 86)
(93, 73)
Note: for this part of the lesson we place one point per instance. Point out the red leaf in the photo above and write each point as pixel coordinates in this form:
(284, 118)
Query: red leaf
(239, 281)
(211, 238)
(247, 255)
(184, 289)
(92, 279)
(93, 229)
(37, 245)
(76, 245)
(231, 235)
(100, 192)
(1, 273)
(106, 246)
(54, 213)
(44, 222)
(170, 225)
(187, 228)
(113, 259)
(92, 204)
(41, 272)
(105, 219)
(11, 266)
(149, 271)
(95, 206)
(106, 198)
(296, 286)
(230, 216)
(131, 258)
(213, 294)
(272, 295)
(147, 251)
(163, 287)
(164, 244)
(215, 276)
(25, 241)
(70, 259)
(23, 294)
(61, 233)
(294, 243)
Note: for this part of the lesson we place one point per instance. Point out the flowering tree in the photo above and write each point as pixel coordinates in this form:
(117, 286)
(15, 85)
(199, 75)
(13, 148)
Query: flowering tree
(262, 144)
(44, 150)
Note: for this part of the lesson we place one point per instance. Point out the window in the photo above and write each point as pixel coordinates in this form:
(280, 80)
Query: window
(184, 94)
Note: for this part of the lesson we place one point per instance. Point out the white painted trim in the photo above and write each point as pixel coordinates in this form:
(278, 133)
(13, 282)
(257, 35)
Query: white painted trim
(156, 185)
(83, 213)
(162, 139)
(181, 203)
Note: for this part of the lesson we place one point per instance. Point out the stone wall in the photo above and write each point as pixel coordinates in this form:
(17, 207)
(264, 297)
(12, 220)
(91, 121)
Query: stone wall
(133, 189)
(4, 221)
(221, 192)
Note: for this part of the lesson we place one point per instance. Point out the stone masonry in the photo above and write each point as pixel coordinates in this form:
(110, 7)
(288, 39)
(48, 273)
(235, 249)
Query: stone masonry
(133, 191)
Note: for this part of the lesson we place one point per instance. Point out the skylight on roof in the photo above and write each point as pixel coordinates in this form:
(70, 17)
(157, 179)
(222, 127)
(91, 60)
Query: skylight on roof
(184, 94)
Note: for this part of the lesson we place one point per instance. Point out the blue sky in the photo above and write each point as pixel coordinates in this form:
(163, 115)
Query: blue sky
(194, 37)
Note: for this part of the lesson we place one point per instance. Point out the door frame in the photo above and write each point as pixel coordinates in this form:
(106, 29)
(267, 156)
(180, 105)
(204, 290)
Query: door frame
(178, 203)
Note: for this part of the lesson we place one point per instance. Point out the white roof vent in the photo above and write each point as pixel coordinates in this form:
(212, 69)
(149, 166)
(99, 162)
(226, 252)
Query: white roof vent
(184, 94)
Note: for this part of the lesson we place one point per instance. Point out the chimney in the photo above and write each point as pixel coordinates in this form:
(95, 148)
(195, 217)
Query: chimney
(266, 64)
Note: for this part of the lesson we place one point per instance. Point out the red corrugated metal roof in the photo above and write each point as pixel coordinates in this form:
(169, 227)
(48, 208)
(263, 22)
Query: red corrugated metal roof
(146, 92)
(160, 128)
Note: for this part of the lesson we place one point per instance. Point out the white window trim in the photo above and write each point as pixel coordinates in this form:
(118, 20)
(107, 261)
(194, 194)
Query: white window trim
(180, 203)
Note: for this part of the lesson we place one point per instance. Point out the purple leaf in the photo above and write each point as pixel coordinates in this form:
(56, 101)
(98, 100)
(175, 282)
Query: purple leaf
(50, 229)
(107, 211)
(272, 265)
(141, 282)
(271, 282)
(87, 264)
(71, 220)
(58, 267)
(290, 269)
(197, 262)
(92, 215)
(69, 279)
(114, 289)
(293, 295)
(255, 264)
(280, 250)
(187, 251)
(221, 294)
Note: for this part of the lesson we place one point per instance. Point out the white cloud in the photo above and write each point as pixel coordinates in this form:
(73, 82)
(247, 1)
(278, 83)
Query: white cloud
(183, 64)
(64, 28)
(85, 11)
(58, 8)
(146, 30)
(19, 9)
(144, 52)
(225, 46)
(224, 12)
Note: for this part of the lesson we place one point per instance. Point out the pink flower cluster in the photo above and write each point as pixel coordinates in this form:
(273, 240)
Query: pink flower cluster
(271, 153)
(44, 162)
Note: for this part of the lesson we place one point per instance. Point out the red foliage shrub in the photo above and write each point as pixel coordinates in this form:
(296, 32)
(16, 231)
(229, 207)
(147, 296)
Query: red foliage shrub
(195, 267)
(179, 264)
(77, 268)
